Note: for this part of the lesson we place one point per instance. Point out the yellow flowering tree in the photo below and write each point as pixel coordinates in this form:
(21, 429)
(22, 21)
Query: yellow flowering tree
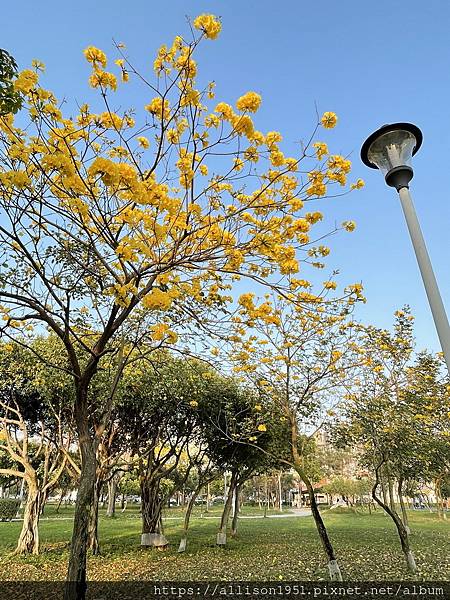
(109, 216)
(301, 355)
(397, 414)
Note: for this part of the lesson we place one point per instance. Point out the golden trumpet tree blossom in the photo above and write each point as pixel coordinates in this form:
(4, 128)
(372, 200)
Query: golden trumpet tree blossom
(109, 213)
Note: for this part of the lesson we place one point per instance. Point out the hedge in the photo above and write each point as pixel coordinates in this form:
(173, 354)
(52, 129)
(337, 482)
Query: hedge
(8, 508)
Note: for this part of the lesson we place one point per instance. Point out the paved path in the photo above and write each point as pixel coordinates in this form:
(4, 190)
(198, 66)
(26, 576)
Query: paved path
(293, 512)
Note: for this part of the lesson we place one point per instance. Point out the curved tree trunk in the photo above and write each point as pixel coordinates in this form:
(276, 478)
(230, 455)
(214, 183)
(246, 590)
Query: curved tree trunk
(152, 529)
(401, 530)
(28, 542)
(222, 533)
(333, 565)
(76, 575)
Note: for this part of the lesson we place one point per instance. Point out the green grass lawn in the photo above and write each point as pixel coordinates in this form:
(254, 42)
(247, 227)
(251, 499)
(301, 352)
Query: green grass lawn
(265, 549)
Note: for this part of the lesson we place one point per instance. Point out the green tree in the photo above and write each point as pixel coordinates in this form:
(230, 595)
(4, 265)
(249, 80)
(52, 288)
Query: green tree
(10, 99)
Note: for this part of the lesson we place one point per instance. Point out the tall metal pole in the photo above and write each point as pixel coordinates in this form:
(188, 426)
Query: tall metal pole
(426, 270)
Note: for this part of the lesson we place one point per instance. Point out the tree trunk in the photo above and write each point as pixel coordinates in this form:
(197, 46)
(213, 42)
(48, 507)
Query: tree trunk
(402, 505)
(222, 533)
(234, 523)
(333, 565)
(266, 498)
(152, 529)
(280, 499)
(187, 518)
(93, 543)
(43, 501)
(401, 530)
(208, 497)
(28, 542)
(439, 503)
(76, 575)
(391, 492)
(383, 490)
(225, 491)
(61, 498)
(112, 493)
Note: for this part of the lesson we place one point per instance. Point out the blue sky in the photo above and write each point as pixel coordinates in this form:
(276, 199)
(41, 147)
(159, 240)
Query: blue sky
(371, 63)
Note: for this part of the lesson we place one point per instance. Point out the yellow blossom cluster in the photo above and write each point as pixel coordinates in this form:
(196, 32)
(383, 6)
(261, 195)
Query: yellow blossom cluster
(143, 141)
(358, 185)
(26, 81)
(159, 107)
(156, 299)
(99, 77)
(162, 331)
(349, 225)
(329, 120)
(120, 62)
(250, 101)
(103, 79)
(209, 24)
(95, 56)
(321, 149)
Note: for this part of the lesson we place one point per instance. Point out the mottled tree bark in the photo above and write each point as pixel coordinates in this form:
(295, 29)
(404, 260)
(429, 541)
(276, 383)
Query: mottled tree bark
(152, 528)
(28, 542)
(391, 492)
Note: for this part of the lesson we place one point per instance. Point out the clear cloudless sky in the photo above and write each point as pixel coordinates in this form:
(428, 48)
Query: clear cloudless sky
(370, 62)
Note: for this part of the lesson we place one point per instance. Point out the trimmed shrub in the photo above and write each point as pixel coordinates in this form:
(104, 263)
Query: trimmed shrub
(8, 508)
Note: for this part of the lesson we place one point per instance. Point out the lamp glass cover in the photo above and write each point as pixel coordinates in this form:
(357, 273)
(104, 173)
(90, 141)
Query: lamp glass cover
(392, 149)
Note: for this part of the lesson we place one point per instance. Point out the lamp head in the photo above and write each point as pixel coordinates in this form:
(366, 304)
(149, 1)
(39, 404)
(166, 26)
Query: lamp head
(390, 149)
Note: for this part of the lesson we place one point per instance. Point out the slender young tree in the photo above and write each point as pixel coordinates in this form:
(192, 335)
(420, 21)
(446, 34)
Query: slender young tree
(300, 356)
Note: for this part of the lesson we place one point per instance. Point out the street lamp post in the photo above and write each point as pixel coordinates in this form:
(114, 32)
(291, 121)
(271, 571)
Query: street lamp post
(390, 149)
